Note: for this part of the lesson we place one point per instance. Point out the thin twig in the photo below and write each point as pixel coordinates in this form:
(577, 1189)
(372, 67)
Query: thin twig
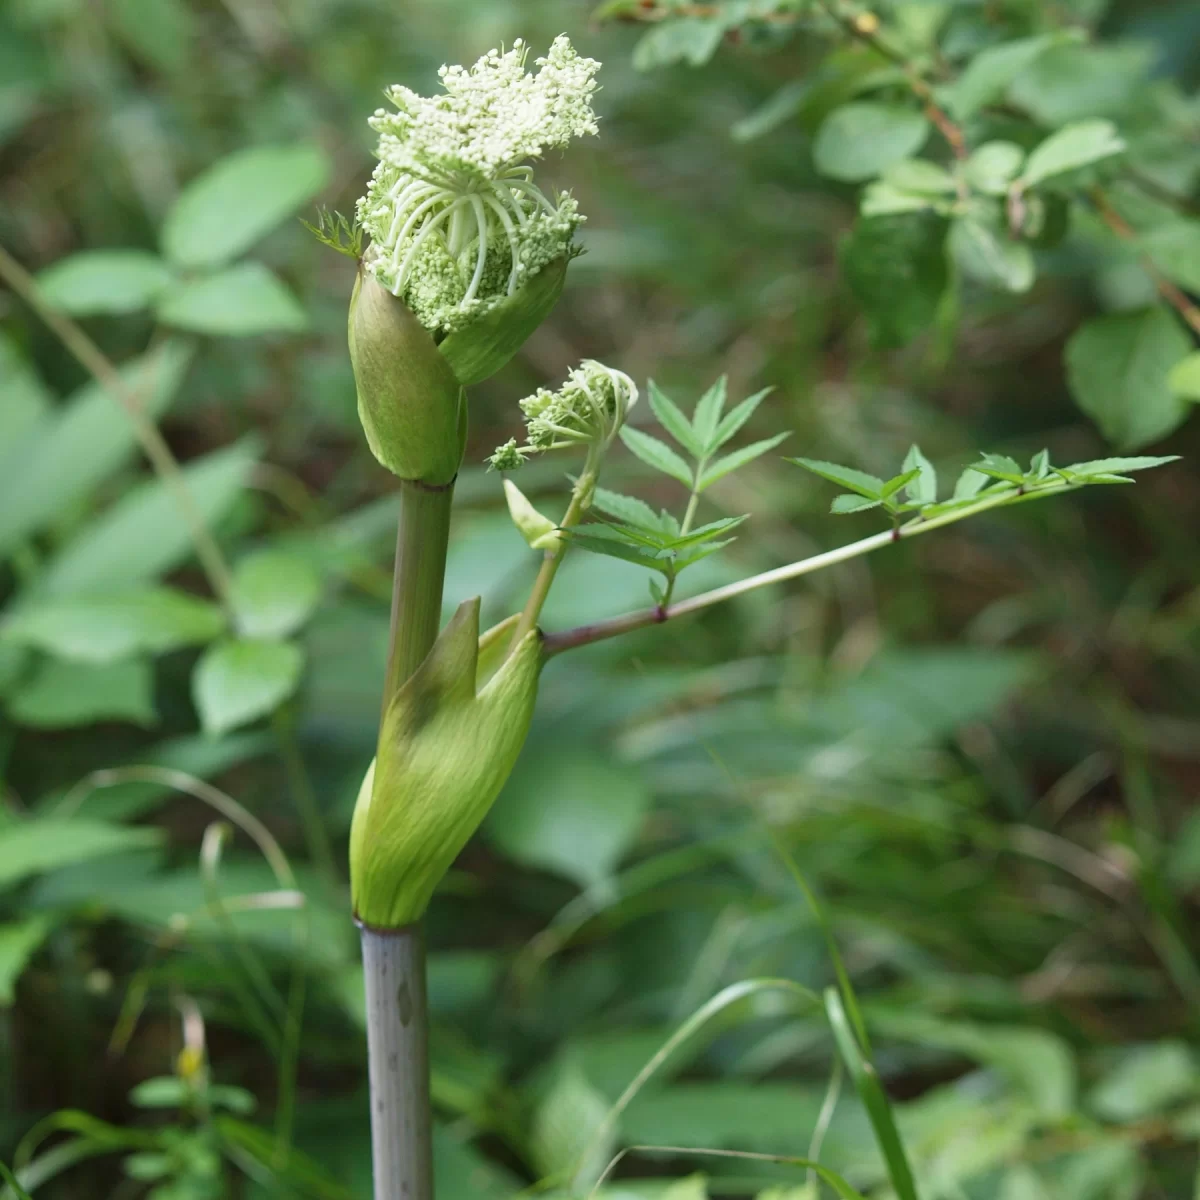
(585, 635)
(651, 13)
(1175, 296)
(581, 498)
(1163, 195)
(864, 28)
(154, 445)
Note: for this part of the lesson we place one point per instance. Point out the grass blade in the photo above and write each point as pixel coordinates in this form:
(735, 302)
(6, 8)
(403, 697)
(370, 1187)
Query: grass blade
(835, 1181)
(705, 1013)
(14, 1187)
(874, 1099)
(839, 967)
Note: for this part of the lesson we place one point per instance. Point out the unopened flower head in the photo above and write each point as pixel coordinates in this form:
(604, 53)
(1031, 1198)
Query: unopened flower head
(456, 220)
(589, 409)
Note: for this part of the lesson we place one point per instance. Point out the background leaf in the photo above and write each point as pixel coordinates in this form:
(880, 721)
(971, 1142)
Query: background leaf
(274, 593)
(990, 256)
(993, 166)
(1119, 367)
(856, 142)
(990, 72)
(145, 533)
(897, 269)
(19, 941)
(228, 207)
(1184, 377)
(237, 682)
(162, 33)
(1147, 1080)
(65, 695)
(1072, 147)
(103, 629)
(105, 281)
(32, 847)
(240, 301)
(1174, 248)
(573, 814)
(689, 40)
(79, 445)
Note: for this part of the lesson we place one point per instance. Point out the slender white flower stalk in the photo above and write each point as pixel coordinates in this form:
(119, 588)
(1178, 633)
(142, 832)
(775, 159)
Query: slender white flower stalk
(588, 410)
(457, 223)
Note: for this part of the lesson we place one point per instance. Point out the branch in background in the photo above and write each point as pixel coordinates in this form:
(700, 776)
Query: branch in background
(154, 445)
(864, 28)
(1164, 195)
(1175, 296)
(649, 12)
(585, 635)
(861, 27)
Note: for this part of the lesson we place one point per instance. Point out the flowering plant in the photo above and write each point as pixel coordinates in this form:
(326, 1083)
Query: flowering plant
(456, 221)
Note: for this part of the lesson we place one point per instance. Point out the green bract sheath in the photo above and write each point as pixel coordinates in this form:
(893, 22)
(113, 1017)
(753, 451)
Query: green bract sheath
(479, 350)
(410, 403)
(448, 744)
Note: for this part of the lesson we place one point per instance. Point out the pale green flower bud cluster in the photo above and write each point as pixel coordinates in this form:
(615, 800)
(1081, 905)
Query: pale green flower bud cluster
(589, 409)
(457, 223)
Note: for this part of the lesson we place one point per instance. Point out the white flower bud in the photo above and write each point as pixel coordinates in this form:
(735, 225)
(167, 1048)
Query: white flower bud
(588, 410)
(457, 223)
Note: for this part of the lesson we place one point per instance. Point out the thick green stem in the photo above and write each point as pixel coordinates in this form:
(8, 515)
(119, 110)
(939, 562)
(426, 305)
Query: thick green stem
(422, 540)
(393, 960)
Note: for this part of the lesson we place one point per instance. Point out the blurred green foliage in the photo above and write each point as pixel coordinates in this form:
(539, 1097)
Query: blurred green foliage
(980, 748)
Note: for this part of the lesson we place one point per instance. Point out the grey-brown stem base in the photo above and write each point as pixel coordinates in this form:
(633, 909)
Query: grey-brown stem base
(398, 1059)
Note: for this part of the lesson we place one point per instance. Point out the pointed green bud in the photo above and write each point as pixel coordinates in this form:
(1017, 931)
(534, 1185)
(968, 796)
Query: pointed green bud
(412, 407)
(449, 742)
(540, 532)
(478, 350)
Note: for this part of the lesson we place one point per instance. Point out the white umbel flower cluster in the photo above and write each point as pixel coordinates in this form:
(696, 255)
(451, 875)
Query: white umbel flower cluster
(589, 409)
(455, 219)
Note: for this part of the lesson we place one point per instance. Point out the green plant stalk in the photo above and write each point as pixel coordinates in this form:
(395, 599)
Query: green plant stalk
(686, 527)
(394, 959)
(581, 499)
(154, 445)
(585, 635)
(312, 820)
(422, 542)
(398, 1061)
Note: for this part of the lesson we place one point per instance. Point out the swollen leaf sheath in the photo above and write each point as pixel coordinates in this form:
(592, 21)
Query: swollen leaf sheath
(410, 403)
(480, 349)
(446, 749)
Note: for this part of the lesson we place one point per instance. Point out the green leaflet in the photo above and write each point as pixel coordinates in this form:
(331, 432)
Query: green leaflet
(446, 748)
